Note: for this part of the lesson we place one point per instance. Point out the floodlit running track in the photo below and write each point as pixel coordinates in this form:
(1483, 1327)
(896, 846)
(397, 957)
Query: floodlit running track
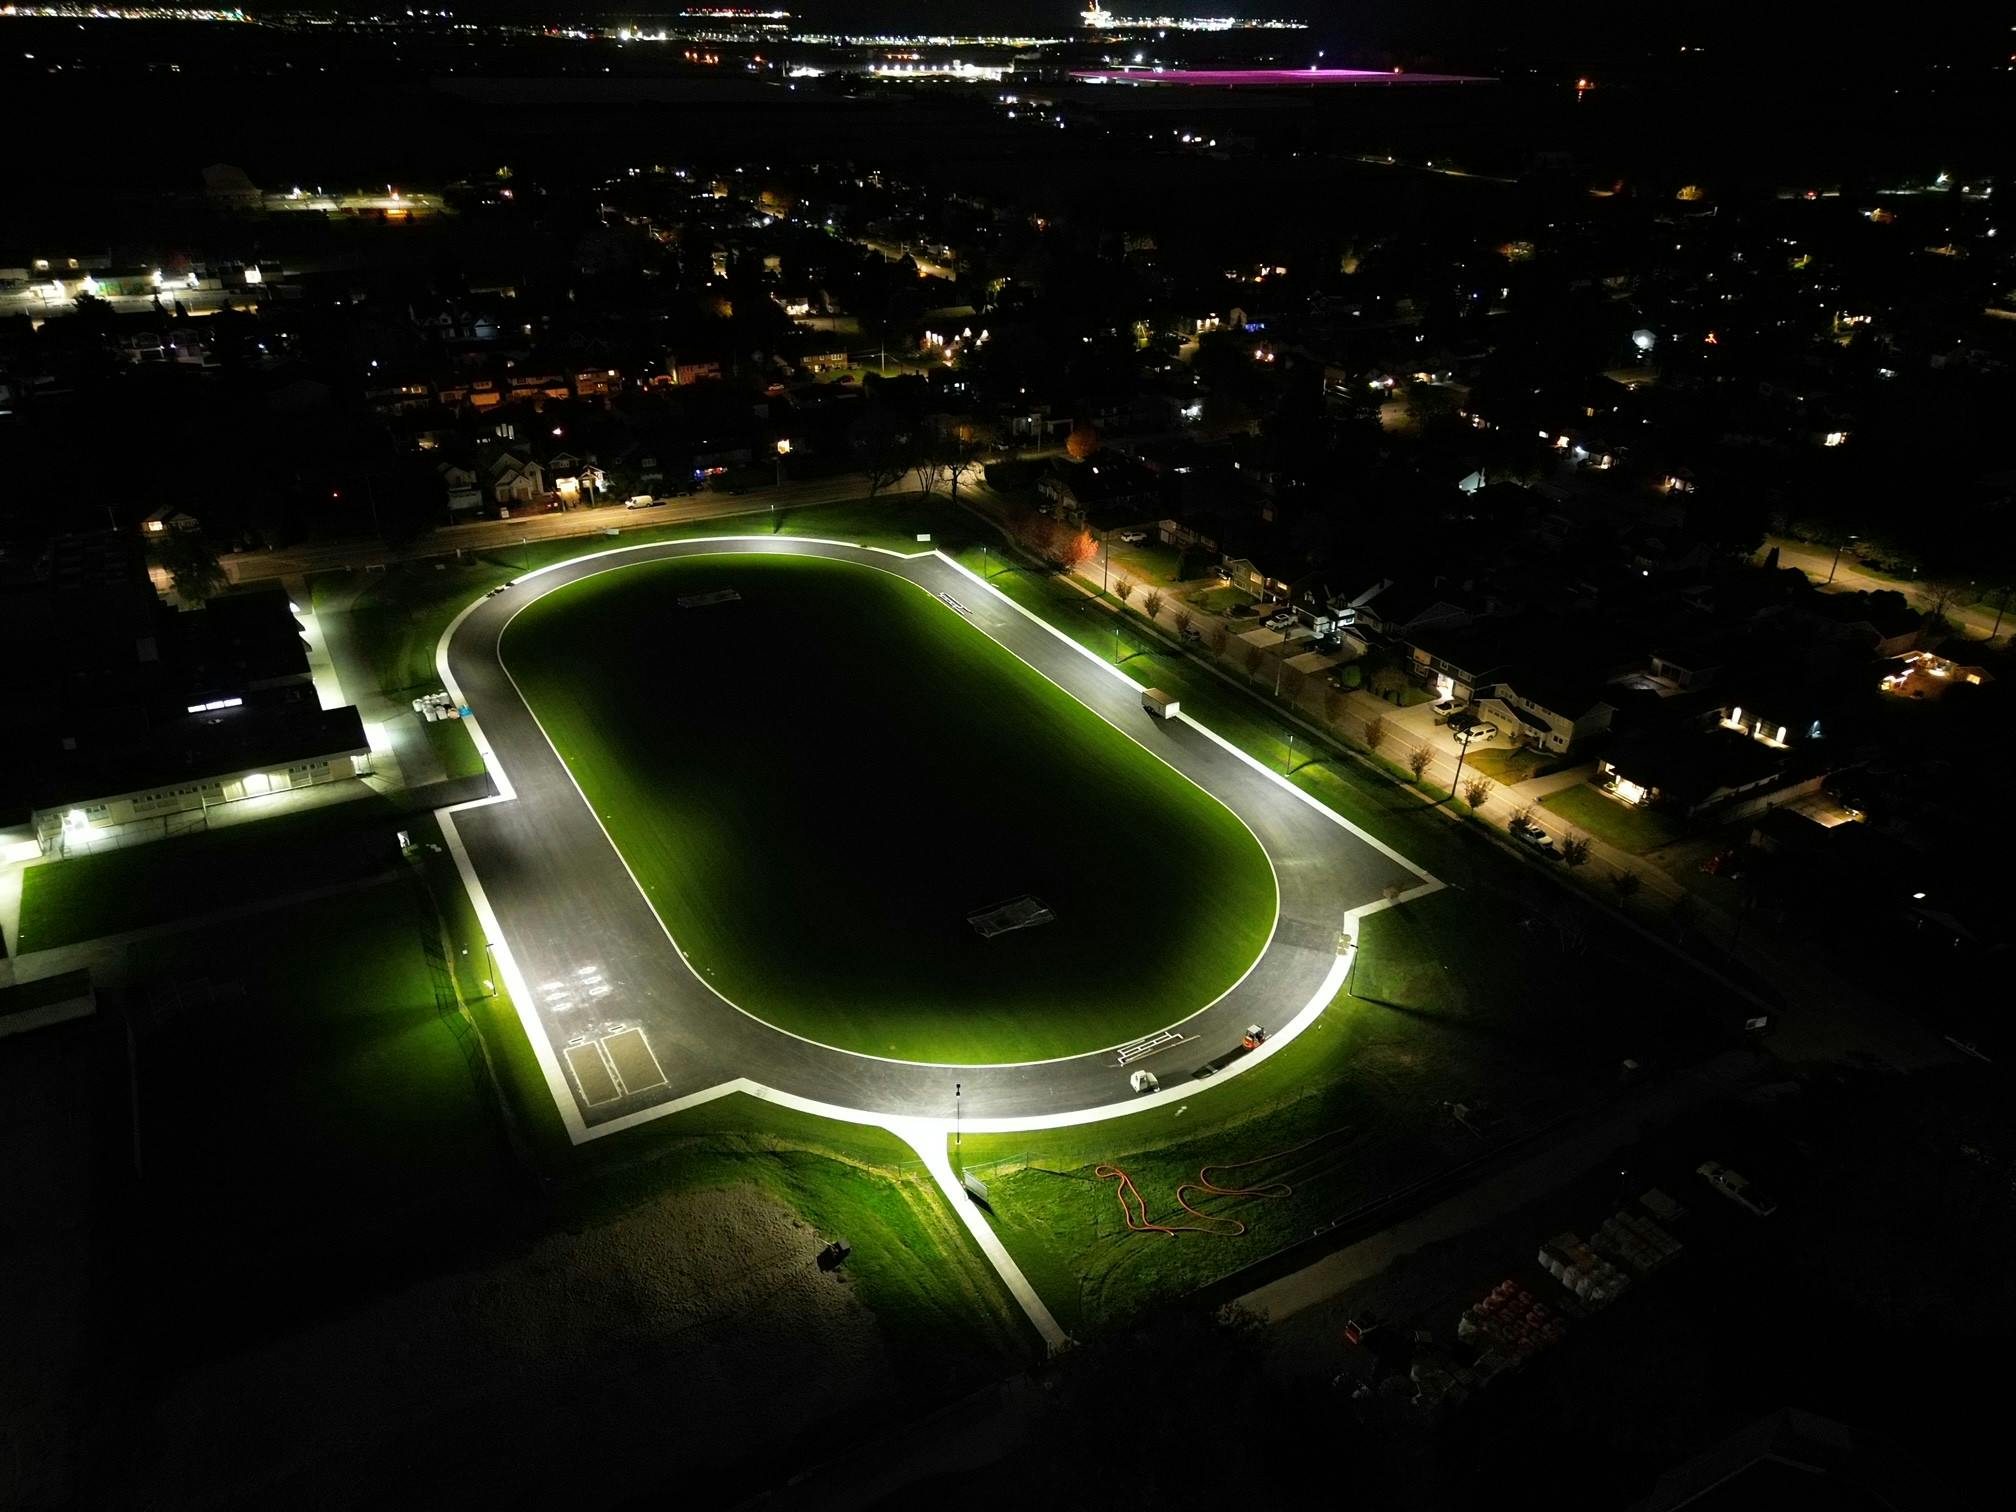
(588, 962)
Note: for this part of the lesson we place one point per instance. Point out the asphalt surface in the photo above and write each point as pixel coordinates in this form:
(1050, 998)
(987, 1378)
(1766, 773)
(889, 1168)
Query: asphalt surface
(596, 960)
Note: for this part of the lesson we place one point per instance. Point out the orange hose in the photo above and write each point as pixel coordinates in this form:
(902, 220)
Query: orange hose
(1135, 1210)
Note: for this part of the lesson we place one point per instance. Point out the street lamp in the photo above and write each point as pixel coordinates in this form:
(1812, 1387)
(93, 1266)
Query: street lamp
(1837, 558)
(783, 451)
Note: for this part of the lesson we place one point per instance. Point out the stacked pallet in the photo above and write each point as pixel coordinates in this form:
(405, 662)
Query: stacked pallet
(1587, 1274)
(1508, 1326)
(1635, 1241)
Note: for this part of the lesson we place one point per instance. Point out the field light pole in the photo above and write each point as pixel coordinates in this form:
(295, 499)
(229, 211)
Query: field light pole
(1837, 558)
(1288, 766)
(958, 1130)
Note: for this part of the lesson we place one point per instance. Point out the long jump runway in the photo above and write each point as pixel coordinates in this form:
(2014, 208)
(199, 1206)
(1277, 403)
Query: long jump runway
(636, 1028)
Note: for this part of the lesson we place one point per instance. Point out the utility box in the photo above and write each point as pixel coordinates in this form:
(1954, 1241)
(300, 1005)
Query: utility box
(1158, 703)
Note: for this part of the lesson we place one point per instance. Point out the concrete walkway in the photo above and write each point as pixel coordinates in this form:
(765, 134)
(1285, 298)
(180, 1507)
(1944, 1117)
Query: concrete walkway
(927, 1136)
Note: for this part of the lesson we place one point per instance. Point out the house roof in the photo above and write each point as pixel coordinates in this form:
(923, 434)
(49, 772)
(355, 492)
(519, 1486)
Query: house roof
(200, 748)
(1689, 765)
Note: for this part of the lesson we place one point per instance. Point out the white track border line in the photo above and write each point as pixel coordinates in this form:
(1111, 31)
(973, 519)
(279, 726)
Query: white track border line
(1273, 872)
(562, 1092)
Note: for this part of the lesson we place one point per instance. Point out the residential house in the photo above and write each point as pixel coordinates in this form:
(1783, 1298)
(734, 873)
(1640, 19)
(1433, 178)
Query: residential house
(459, 483)
(1689, 771)
(514, 478)
(169, 520)
(1548, 713)
(1106, 493)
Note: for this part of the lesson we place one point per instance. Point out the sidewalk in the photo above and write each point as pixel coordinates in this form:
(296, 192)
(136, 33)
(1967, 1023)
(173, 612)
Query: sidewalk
(1822, 1014)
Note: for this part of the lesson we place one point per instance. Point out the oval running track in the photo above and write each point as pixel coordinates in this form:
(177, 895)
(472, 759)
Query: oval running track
(596, 976)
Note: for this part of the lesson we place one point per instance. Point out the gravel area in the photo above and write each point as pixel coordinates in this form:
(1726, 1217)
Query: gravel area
(683, 1337)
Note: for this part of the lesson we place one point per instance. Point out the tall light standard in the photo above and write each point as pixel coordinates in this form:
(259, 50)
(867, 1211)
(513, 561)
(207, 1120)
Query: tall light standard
(1462, 750)
(1105, 562)
(783, 451)
(1837, 558)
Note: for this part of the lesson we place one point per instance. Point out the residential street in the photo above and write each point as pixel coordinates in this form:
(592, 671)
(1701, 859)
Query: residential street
(1816, 562)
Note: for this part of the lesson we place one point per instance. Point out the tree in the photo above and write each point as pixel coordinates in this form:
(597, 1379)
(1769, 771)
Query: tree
(881, 452)
(1292, 681)
(1333, 703)
(1181, 619)
(1476, 791)
(1124, 587)
(1375, 732)
(960, 452)
(1575, 849)
(1072, 547)
(1417, 761)
(1625, 884)
(1081, 443)
(930, 469)
(191, 564)
(1522, 817)
(1217, 637)
(1254, 656)
(1151, 602)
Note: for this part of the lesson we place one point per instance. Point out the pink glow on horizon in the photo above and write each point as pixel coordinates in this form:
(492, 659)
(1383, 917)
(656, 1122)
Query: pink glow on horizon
(1232, 77)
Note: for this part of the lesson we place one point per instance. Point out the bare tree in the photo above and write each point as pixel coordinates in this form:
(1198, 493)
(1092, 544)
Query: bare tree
(1293, 680)
(961, 450)
(1254, 656)
(1417, 761)
(881, 452)
(1217, 638)
(1476, 791)
(930, 469)
(1151, 602)
(1181, 619)
(1333, 703)
(1625, 884)
(1375, 732)
(1575, 849)
(1522, 817)
(1124, 587)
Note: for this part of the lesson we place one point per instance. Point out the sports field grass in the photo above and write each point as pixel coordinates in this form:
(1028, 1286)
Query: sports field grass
(391, 621)
(164, 881)
(310, 1069)
(817, 784)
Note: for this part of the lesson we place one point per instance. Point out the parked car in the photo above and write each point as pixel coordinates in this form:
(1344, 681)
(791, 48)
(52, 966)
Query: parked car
(1482, 730)
(1532, 835)
(1192, 633)
(645, 501)
(1737, 1188)
(1448, 709)
(1133, 537)
(1280, 620)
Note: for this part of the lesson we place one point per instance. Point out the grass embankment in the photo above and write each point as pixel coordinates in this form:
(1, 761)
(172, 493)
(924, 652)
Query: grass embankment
(317, 1119)
(1449, 1001)
(1623, 825)
(934, 1292)
(950, 777)
(238, 866)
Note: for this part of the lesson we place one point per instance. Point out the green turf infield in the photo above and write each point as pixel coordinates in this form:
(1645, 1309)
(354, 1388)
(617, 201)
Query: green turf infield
(818, 782)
